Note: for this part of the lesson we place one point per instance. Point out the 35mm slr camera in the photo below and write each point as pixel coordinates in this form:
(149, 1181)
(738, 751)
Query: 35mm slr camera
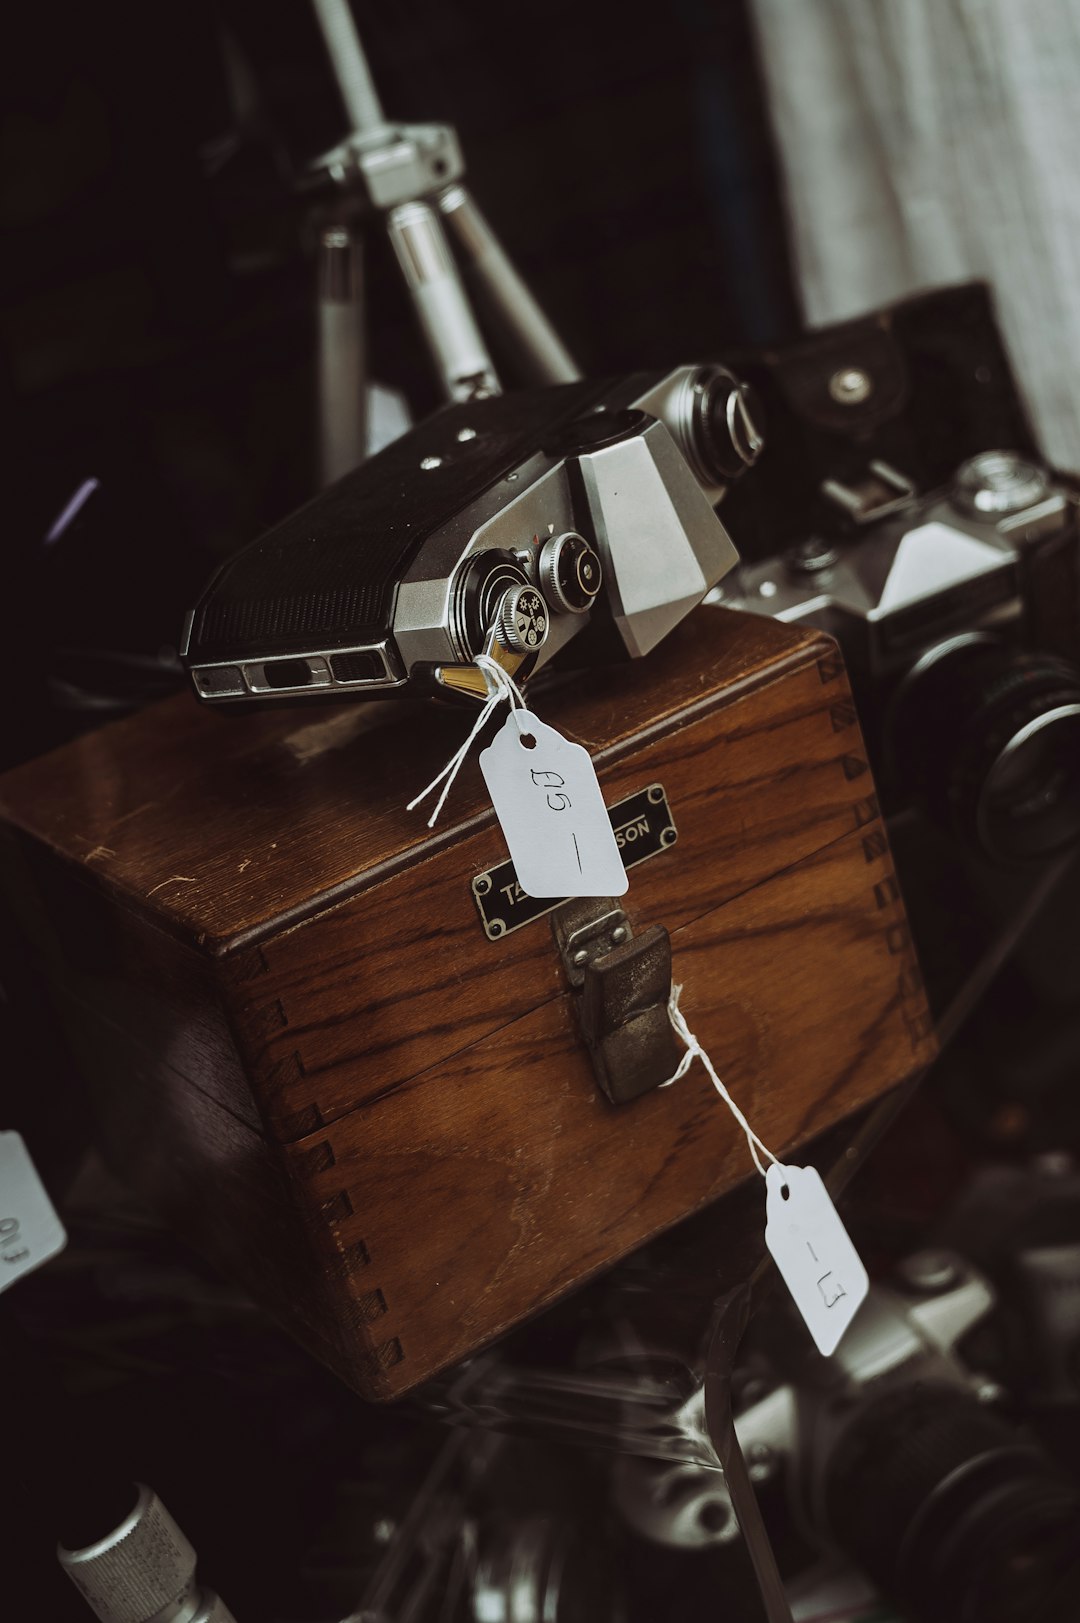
(899, 1451)
(958, 617)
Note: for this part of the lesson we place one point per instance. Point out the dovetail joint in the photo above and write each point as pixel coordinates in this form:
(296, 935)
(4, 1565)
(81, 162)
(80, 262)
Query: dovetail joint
(338, 1207)
(320, 1158)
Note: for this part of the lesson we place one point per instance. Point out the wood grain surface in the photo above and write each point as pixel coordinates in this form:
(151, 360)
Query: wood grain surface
(753, 786)
(307, 1053)
(805, 993)
(225, 829)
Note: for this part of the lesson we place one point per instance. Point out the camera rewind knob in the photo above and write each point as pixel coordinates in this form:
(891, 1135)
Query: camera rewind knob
(995, 484)
(742, 419)
(726, 434)
(522, 620)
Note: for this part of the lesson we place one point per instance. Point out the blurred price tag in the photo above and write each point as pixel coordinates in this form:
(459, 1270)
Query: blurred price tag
(30, 1231)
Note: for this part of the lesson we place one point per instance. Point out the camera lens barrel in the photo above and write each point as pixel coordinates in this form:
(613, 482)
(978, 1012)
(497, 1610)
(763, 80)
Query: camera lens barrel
(949, 1508)
(989, 737)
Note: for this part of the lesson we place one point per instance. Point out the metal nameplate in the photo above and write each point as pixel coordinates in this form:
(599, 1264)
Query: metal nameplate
(643, 827)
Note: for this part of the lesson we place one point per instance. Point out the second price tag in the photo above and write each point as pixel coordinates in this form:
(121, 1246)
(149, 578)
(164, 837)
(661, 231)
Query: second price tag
(551, 811)
(813, 1251)
(30, 1231)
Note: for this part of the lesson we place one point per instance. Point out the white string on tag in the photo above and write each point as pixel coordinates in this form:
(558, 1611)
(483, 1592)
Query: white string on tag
(501, 686)
(694, 1051)
(804, 1233)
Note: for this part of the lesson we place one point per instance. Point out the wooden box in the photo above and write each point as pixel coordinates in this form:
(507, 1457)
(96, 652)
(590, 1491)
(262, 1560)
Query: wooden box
(307, 1053)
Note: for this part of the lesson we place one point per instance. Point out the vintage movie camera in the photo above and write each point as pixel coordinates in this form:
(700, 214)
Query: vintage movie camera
(513, 526)
(957, 611)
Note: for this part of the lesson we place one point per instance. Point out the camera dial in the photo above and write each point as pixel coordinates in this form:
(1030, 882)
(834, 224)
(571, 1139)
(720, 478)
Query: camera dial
(536, 1569)
(810, 557)
(522, 621)
(571, 572)
(997, 483)
(487, 595)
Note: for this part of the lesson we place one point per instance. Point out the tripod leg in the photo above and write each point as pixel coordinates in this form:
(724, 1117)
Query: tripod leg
(539, 349)
(434, 282)
(342, 385)
(350, 65)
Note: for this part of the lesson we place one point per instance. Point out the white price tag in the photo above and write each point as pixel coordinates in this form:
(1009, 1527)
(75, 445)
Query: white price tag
(551, 811)
(813, 1251)
(30, 1231)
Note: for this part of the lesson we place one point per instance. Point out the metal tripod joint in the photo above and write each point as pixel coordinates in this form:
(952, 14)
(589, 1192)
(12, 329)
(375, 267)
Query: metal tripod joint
(396, 164)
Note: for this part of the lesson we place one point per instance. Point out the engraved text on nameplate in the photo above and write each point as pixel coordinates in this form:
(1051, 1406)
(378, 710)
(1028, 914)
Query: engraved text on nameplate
(643, 826)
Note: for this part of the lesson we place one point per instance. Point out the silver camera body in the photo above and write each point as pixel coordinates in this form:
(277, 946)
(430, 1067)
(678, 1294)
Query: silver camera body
(790, 1421)
(959, 616)
(911, 568)
(897, 1455)
(510, 526)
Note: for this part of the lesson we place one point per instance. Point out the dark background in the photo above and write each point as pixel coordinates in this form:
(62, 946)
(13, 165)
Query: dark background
(156, 278)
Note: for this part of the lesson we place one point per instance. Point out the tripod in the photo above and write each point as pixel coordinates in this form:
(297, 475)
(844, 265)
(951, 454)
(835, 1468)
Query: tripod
(412, 176)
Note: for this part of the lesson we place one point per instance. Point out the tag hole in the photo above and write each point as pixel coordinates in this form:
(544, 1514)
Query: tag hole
(528, 742)
(785, 1191)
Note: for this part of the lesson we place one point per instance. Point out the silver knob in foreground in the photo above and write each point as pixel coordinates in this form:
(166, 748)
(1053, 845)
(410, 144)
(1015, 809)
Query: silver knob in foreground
(522, 622)
(571, 572)
(995, 484)
(143, 1571)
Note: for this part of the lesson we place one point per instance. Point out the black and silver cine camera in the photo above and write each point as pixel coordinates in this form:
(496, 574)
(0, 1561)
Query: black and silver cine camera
(957, 612)
(508, 526)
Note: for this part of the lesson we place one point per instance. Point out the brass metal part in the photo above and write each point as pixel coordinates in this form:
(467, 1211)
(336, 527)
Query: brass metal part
(470, 678)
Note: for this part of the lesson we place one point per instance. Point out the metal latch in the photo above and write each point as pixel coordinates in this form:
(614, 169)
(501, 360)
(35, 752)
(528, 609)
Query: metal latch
(622, 984)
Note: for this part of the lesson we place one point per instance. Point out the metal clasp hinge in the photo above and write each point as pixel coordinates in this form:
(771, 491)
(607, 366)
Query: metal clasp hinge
(622, 984)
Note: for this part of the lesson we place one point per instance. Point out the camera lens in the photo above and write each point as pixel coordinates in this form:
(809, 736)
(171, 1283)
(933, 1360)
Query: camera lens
(989, 737)
(950, 1509)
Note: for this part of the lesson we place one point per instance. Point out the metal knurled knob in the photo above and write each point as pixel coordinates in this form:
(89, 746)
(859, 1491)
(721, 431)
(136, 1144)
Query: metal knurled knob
(143, 1571)
(522, 620)
(570, 572)
(995, 484)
